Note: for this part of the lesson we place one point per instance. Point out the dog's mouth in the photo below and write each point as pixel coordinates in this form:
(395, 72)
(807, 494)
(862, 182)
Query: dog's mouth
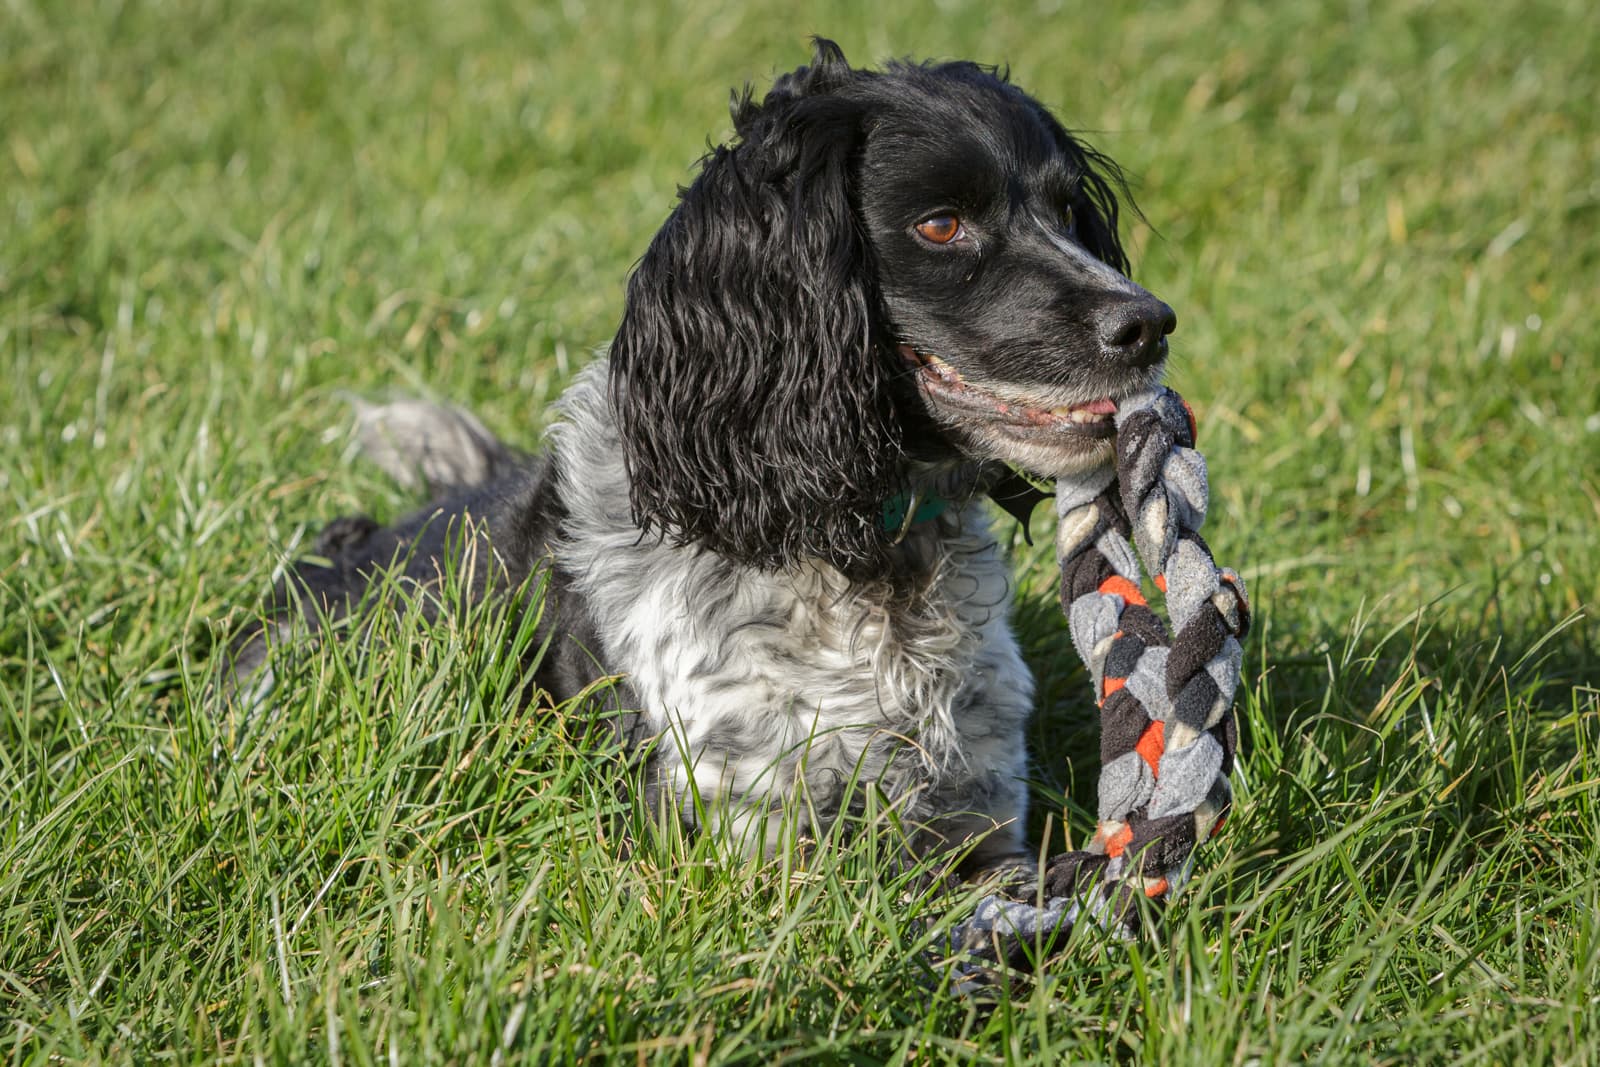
(955, 396)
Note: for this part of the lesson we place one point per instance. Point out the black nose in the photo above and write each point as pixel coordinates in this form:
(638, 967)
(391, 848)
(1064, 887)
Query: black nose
(1134, 330)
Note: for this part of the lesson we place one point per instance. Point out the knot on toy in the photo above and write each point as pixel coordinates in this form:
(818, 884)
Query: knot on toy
(1167, 732)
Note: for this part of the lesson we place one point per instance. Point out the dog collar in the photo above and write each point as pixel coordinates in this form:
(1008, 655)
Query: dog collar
(1015, 494)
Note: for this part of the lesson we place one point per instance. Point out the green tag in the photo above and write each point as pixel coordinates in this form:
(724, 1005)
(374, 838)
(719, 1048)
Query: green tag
(894, 511)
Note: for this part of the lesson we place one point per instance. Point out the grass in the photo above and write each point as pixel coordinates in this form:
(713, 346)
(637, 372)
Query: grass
(1378, 225)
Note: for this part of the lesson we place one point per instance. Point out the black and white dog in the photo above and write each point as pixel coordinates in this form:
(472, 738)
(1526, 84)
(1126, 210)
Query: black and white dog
(764, 506)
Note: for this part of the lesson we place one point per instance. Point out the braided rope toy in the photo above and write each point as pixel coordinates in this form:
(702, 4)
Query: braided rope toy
(1167, 733)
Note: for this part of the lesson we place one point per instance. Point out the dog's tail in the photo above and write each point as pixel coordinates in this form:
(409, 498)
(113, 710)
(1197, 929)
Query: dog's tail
(433, 447)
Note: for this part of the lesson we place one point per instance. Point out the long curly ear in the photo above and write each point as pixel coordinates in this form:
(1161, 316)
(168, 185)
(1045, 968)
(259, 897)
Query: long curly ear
(751, 374)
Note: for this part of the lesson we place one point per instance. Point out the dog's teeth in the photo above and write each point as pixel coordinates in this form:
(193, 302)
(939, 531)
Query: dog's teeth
(1077, 415)
(941, 368)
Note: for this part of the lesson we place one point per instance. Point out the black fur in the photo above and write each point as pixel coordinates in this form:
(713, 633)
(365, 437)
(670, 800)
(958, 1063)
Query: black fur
(748, 374)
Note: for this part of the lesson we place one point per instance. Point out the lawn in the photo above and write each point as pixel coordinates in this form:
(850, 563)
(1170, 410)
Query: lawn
(1380, 226)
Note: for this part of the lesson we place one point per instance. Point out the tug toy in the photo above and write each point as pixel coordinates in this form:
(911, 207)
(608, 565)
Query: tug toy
(1167, 733)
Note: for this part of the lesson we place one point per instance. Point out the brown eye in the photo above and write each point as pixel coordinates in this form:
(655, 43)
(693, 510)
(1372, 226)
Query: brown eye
(941, 229)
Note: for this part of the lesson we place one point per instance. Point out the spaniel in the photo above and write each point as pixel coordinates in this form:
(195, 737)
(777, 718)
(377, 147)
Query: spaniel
(765, 507)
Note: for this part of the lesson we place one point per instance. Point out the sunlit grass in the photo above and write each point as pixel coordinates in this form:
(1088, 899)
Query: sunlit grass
(1377, 224)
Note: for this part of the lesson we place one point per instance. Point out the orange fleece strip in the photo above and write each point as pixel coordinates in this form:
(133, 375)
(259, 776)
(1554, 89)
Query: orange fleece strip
(1123, 588)
(1152, 743)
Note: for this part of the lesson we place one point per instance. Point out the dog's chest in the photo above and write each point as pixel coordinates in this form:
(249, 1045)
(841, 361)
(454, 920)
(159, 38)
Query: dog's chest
(758, 683)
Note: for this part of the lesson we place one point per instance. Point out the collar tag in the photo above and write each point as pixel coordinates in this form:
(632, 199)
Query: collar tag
(905, 510)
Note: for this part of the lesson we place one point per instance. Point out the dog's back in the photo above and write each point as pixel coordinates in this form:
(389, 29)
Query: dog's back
(489, 526)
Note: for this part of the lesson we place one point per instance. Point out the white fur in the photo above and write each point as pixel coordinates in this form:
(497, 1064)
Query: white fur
(766, 686)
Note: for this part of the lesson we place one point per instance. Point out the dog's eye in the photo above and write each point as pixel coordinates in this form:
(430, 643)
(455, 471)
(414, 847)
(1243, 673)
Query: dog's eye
(941, 229)
(1068, 223)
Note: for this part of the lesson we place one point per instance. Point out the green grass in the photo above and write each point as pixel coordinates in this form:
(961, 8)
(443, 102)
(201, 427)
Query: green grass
(1379, 226)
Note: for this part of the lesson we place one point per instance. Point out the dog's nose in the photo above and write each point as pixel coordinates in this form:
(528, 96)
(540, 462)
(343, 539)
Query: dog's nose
(1134, 330)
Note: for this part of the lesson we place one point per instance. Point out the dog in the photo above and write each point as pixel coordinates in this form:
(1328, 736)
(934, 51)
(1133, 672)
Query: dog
(763, 506)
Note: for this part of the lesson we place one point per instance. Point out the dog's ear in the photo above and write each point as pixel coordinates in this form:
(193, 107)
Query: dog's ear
(751, 373)
(827, 71)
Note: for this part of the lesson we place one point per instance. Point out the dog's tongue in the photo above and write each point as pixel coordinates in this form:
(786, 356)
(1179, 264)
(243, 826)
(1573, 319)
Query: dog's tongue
(1099, 407)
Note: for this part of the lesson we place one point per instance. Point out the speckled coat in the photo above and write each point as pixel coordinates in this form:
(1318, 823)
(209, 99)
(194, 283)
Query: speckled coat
(765, 698)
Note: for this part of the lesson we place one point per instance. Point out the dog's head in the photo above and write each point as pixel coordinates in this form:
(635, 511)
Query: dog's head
(913, 264)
